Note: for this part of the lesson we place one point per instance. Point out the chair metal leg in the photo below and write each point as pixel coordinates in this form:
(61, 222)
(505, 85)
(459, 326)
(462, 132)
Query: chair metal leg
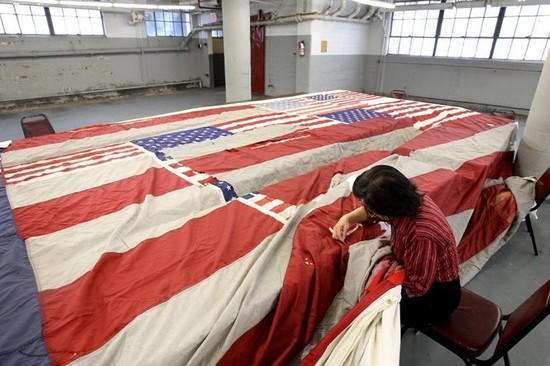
(506, 360)
(532, 233)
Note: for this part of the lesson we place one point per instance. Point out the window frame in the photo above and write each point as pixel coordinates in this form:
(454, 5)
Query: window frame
(535, 47)
(81, 17)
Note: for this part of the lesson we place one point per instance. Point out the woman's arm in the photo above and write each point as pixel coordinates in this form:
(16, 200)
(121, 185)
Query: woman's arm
(342, 226)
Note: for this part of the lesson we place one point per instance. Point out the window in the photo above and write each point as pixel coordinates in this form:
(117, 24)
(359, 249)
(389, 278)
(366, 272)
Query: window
(413, 32)
(71, 21)
(36, 20)
(217, 33)
(167, 23)
(524, 33)
(23, 19)
(511, 33)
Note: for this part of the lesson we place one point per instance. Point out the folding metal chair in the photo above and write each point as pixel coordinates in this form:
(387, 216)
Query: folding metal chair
(542, 189)
(36, 125)
(506, 113)
(477, 321)
(399, 94)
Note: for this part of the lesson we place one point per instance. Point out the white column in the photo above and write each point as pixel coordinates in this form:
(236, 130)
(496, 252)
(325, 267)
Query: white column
(236, 34)
(533, 156)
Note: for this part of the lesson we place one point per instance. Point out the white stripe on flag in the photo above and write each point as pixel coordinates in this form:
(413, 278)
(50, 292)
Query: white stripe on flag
(173, 334)
(120, 232)
(39, 190)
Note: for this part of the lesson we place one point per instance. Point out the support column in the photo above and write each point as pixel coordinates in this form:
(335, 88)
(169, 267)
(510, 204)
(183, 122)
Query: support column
(533, 156)
(236, 34)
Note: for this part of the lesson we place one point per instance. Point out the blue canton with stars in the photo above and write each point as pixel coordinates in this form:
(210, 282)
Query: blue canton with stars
(354, 115)
(227, 189)
(156, 144)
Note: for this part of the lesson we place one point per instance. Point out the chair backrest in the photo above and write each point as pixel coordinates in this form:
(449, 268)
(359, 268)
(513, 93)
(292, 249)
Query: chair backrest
(506, 113)
(522, 320)
(400, 94)
(542, 188)
(36, 125)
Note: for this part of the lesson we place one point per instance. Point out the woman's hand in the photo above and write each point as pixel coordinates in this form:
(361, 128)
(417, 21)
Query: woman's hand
(341, 228)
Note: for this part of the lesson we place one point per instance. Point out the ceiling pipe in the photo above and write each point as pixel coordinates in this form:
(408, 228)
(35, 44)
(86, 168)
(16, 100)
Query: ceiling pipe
(356, 12)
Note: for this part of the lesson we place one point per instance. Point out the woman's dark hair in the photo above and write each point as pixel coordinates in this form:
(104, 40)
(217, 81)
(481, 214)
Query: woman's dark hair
(384, 190)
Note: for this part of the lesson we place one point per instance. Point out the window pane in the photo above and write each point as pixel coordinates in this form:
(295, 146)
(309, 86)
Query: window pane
(396, 28)
(477, 12)
(455, 47)
(416, 47)
(431, 27)
(463, 13)
(11, 25)
(508, 27)
(488, 27)
(393, 47)
(518, 49)
(525, 27)
(26, 24)
(492, 11)
(7, 9)
(72, 26)
(22, 9)
(544, 10)
(542, 27)
(529, 10)
(97, 26)
(428, 46)
(447, 27)
(85, 26)
(409, 14)
(484, 48)
(474, 27)
(404, 46)
(407, 28)
(502, 48)
(469, 48)
(56, 12)
(418, 28)
(151, 30)
(442, 47)
(535, 50)
(459, 30)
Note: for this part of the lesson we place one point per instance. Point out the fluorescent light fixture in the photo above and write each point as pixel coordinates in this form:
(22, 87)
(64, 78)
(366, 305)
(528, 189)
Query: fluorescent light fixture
(377, 3)
(103, 4)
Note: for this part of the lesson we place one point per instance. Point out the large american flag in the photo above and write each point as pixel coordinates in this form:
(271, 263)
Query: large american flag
(201, 237)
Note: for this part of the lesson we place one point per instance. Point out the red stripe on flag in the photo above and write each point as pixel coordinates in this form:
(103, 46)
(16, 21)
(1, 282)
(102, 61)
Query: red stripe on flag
(451, 131)
(63, 212)
(306, 187)
(68, 159)
(68, 167)
(314, 275)
(293, 143)
(460, 190)
(494, 213)
(105, 129)
(124, 285)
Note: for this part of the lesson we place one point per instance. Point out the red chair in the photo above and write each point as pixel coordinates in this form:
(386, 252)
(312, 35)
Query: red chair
(542, 189)
(477, 321)
(36, 125)
(399, 94)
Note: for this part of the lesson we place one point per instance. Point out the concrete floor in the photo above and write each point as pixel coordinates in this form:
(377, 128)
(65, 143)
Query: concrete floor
(508, 278)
